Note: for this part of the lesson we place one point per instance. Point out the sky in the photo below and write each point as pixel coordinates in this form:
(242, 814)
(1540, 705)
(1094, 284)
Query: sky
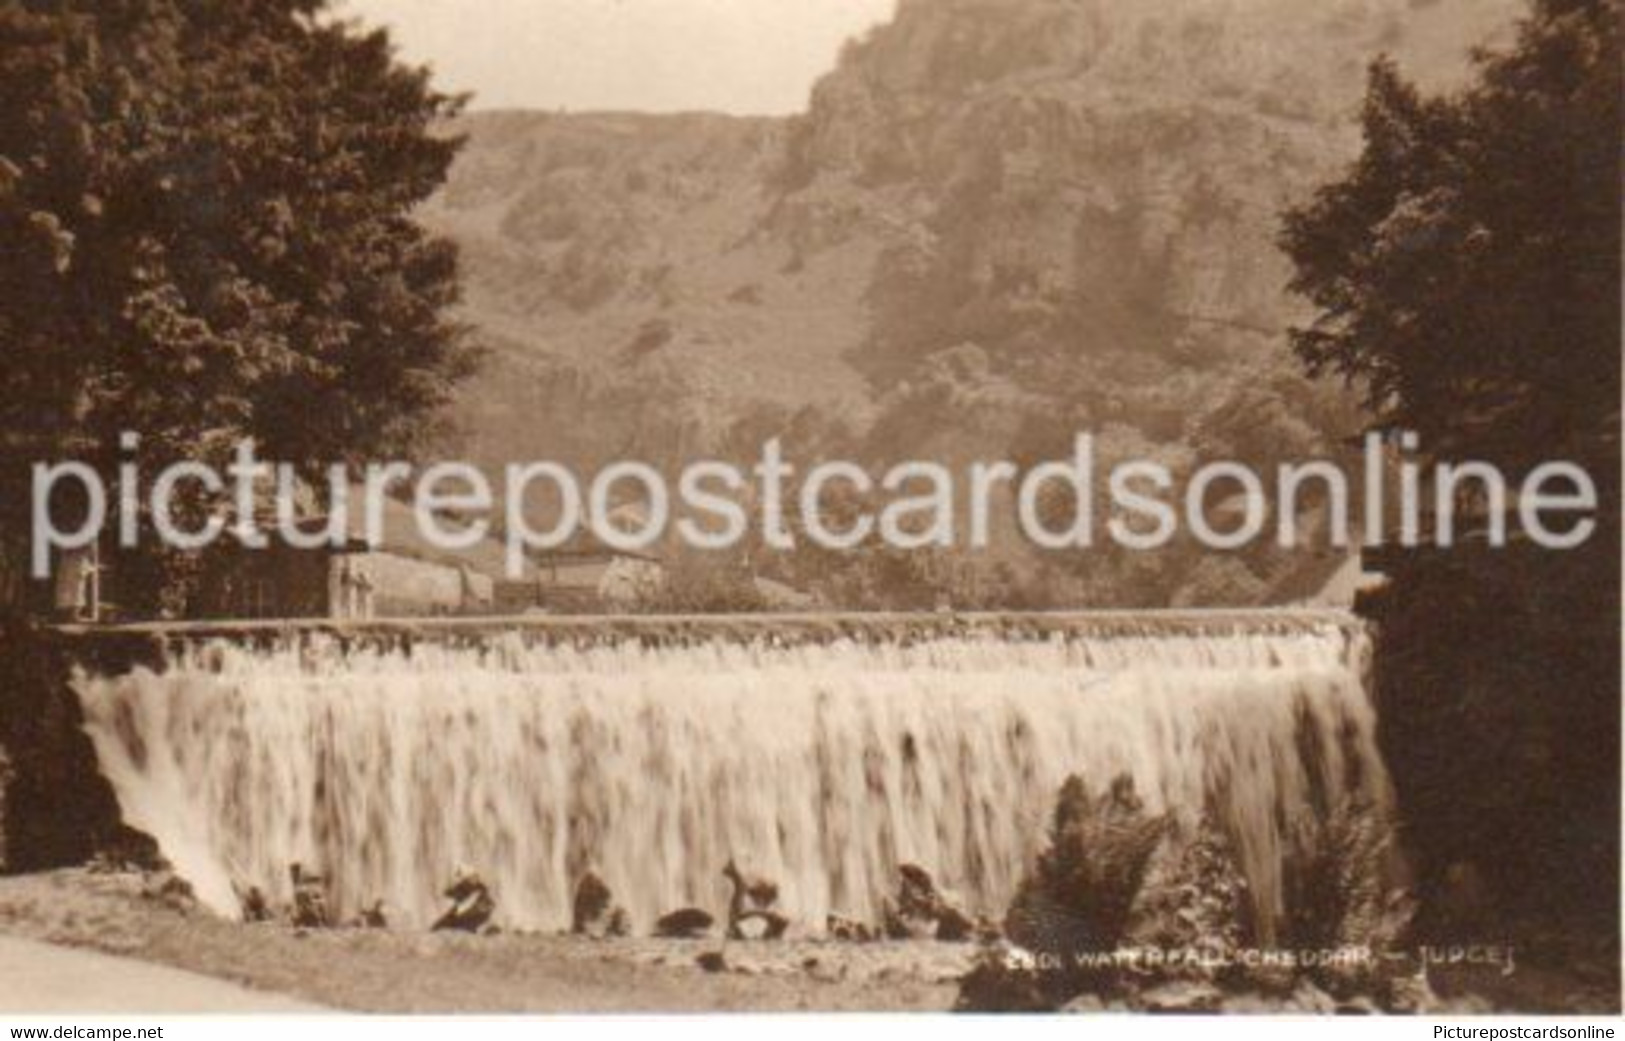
(750, 57)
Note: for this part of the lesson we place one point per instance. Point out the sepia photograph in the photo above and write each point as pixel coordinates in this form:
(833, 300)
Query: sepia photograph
(551, 508)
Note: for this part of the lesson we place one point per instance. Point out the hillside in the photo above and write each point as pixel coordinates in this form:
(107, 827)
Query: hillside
(999, 221)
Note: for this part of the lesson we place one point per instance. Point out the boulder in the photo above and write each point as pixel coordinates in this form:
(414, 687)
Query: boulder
(750, 906)
(923, 912)
(916, 890)
(752, 892)
(688, 923)
(954, 926)
(837, 927)
(255, 907)
(375, 916)
(310, 909)
(896, 925)
(591, 904)
(594, 912)
(472, 905)
(759, 925)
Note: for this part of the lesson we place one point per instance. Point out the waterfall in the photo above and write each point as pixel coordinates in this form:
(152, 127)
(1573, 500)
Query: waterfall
(820, 764)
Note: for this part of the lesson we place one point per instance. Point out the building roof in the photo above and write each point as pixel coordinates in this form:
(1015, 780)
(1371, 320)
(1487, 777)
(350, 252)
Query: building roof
(1324, 578)
(402, 537)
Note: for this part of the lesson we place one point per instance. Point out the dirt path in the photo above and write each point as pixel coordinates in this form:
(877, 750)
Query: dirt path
(42, 979)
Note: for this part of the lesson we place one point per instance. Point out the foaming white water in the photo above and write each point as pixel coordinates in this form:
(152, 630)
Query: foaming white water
(821, 766)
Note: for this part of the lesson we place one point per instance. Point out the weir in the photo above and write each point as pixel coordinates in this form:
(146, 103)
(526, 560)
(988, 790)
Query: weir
(820, 751)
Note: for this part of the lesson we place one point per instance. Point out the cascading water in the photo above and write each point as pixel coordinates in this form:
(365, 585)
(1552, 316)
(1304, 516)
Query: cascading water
(823, 766)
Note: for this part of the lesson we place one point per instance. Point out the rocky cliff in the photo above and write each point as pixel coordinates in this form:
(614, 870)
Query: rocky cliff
(998, 222)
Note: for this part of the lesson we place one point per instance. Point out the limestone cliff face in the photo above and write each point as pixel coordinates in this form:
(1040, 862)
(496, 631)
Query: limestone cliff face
(997, 222)
(1087, 187)
(607, 276)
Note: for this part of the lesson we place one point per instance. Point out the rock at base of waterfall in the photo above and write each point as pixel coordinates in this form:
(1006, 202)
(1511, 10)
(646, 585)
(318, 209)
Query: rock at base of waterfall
(751, 892)
(954, 926)
(594, 912)
(923, 912)
(750, 906)
(759, 925)
(310, 912)
(310, 909)
(618, 925)
(846, 930)
(374, 916)
(689, 923)
(472, 905)
(916, 890)
(253, 904)
(897, 926)
(591, 903)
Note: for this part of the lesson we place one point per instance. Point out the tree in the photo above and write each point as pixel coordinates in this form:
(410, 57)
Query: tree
(1467, 274)
(207, 207)
(1467, 271)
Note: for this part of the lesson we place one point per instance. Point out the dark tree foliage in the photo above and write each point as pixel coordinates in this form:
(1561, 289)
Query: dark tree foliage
(206, 211)
(1467, 271)
(1467, 274)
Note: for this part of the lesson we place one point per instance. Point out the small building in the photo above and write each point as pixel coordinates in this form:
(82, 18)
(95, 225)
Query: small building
(403, 575)
(591, 578)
